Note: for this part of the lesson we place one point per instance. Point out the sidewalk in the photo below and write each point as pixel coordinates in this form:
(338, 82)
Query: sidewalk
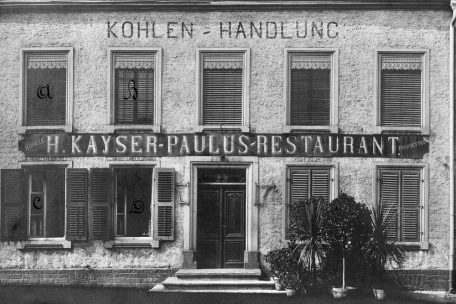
(88, 295)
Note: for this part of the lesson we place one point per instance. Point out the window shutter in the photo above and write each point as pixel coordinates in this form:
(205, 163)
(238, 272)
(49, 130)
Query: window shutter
(46, 89)
(389, 198)
(410, 198)
(13, 206)
(320, 183)
(101, 199)
(77, 183)
(299, 185)
(164, 204)
(134, 88)
(310, 89)
(401, 90)
(222, 88)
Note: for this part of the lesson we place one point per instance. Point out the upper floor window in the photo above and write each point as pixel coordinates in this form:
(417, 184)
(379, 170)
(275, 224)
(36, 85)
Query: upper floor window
(135, 88)
(402, 91)
(47, 87)
(311, 90)
(223, 89)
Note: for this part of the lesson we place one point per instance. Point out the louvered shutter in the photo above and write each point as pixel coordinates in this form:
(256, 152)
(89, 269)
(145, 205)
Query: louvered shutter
(77, 185)
(299, 185)
(13, 206)
(320, 183)
(164, 183)
(46, 75)
(410, 205)
(222, 88)
(400, 89)
(310, 89)
(134, 88)
(389, 198)
(101, 203)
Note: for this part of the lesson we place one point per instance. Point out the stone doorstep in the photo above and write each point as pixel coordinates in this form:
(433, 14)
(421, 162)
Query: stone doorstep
(208, 283)
(219, 273)
(161, 288)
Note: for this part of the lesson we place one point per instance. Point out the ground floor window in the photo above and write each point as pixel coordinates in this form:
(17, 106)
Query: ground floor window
(400, 191)
(46, 202)
(133, 200)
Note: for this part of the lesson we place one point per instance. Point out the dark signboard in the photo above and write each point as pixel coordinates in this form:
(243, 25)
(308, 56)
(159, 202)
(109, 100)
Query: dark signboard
(217, 144)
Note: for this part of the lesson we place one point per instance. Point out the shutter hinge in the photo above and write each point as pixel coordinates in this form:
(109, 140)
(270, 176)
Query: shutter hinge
(422, 180)
(289, 179)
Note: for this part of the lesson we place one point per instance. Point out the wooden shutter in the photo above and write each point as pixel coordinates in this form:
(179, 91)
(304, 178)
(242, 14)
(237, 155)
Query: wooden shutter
(77, 184)
(299, 185)
(400, 84)
(320, 183)
(101, 203)
(410, 205)
(389, 198)
(46, 74)
(310, 89)
(164, 183)
(222, 88)
(13, 205)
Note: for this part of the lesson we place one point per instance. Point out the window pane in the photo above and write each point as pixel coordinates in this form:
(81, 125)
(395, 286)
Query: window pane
(46, 95)
(134, 193)
(55, 203)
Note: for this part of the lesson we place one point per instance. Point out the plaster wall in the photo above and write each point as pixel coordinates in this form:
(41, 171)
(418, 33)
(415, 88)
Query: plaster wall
(359, 35)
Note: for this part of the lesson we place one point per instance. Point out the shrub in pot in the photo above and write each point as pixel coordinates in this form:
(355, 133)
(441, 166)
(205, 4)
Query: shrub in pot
(305, 234)
(346, 226)
(381, 249)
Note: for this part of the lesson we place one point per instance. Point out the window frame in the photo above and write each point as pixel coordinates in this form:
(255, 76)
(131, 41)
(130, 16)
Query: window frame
(333, 126)
(425, 109)
(333, 191)
(68, 126)
(126, 241)
(245, 127)
(45, 242)
(423, 244)
(156, 126)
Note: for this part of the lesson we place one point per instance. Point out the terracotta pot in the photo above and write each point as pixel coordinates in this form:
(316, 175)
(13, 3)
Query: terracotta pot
(290, 292)
(339, 293)
(379, 294)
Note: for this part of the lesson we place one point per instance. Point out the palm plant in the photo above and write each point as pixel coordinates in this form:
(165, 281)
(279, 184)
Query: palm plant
(305, 232)
(380, 248)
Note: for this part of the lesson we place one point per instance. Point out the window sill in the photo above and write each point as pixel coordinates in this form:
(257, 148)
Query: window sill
(333, 129)
(419, 130)
(241, 128)
(414, 246)
(139, 242)
(124, 128)
(64, 128)
(48, 243)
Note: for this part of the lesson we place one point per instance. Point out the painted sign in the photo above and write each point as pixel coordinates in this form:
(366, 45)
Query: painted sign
(217, 144)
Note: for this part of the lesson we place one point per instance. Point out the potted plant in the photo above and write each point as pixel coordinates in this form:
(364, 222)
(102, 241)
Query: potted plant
(381, 249)
(346, 227)
(305, 233)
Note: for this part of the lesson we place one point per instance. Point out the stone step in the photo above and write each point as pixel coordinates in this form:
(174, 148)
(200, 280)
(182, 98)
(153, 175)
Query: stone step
(175, 283)
(219, 273)
(161, 288)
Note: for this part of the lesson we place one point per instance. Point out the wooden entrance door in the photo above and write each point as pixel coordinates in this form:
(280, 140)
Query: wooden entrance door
(221, 226)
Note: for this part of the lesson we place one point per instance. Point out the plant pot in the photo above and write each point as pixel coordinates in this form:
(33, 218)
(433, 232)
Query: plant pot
(290, 292)
(339, 293)
(277, 284)
(379, 294)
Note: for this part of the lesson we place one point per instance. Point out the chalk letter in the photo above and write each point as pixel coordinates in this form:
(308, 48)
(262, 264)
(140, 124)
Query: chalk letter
(55, 144)
(135, 141)
(74, 144)
(121, 144)
(394, 140)
(348, 141)
(151, 141)
(92, 147)
(106, 143)
(172, 141)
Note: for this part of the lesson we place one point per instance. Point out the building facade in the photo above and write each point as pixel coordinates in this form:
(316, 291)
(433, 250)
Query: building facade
(137, 139)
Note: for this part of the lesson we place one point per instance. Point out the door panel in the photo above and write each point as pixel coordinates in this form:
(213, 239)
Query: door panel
(221, 226)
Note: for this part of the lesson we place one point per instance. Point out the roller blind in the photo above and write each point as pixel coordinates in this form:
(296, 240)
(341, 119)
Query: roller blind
(401, 90)
(222, 90)
(310, 89)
